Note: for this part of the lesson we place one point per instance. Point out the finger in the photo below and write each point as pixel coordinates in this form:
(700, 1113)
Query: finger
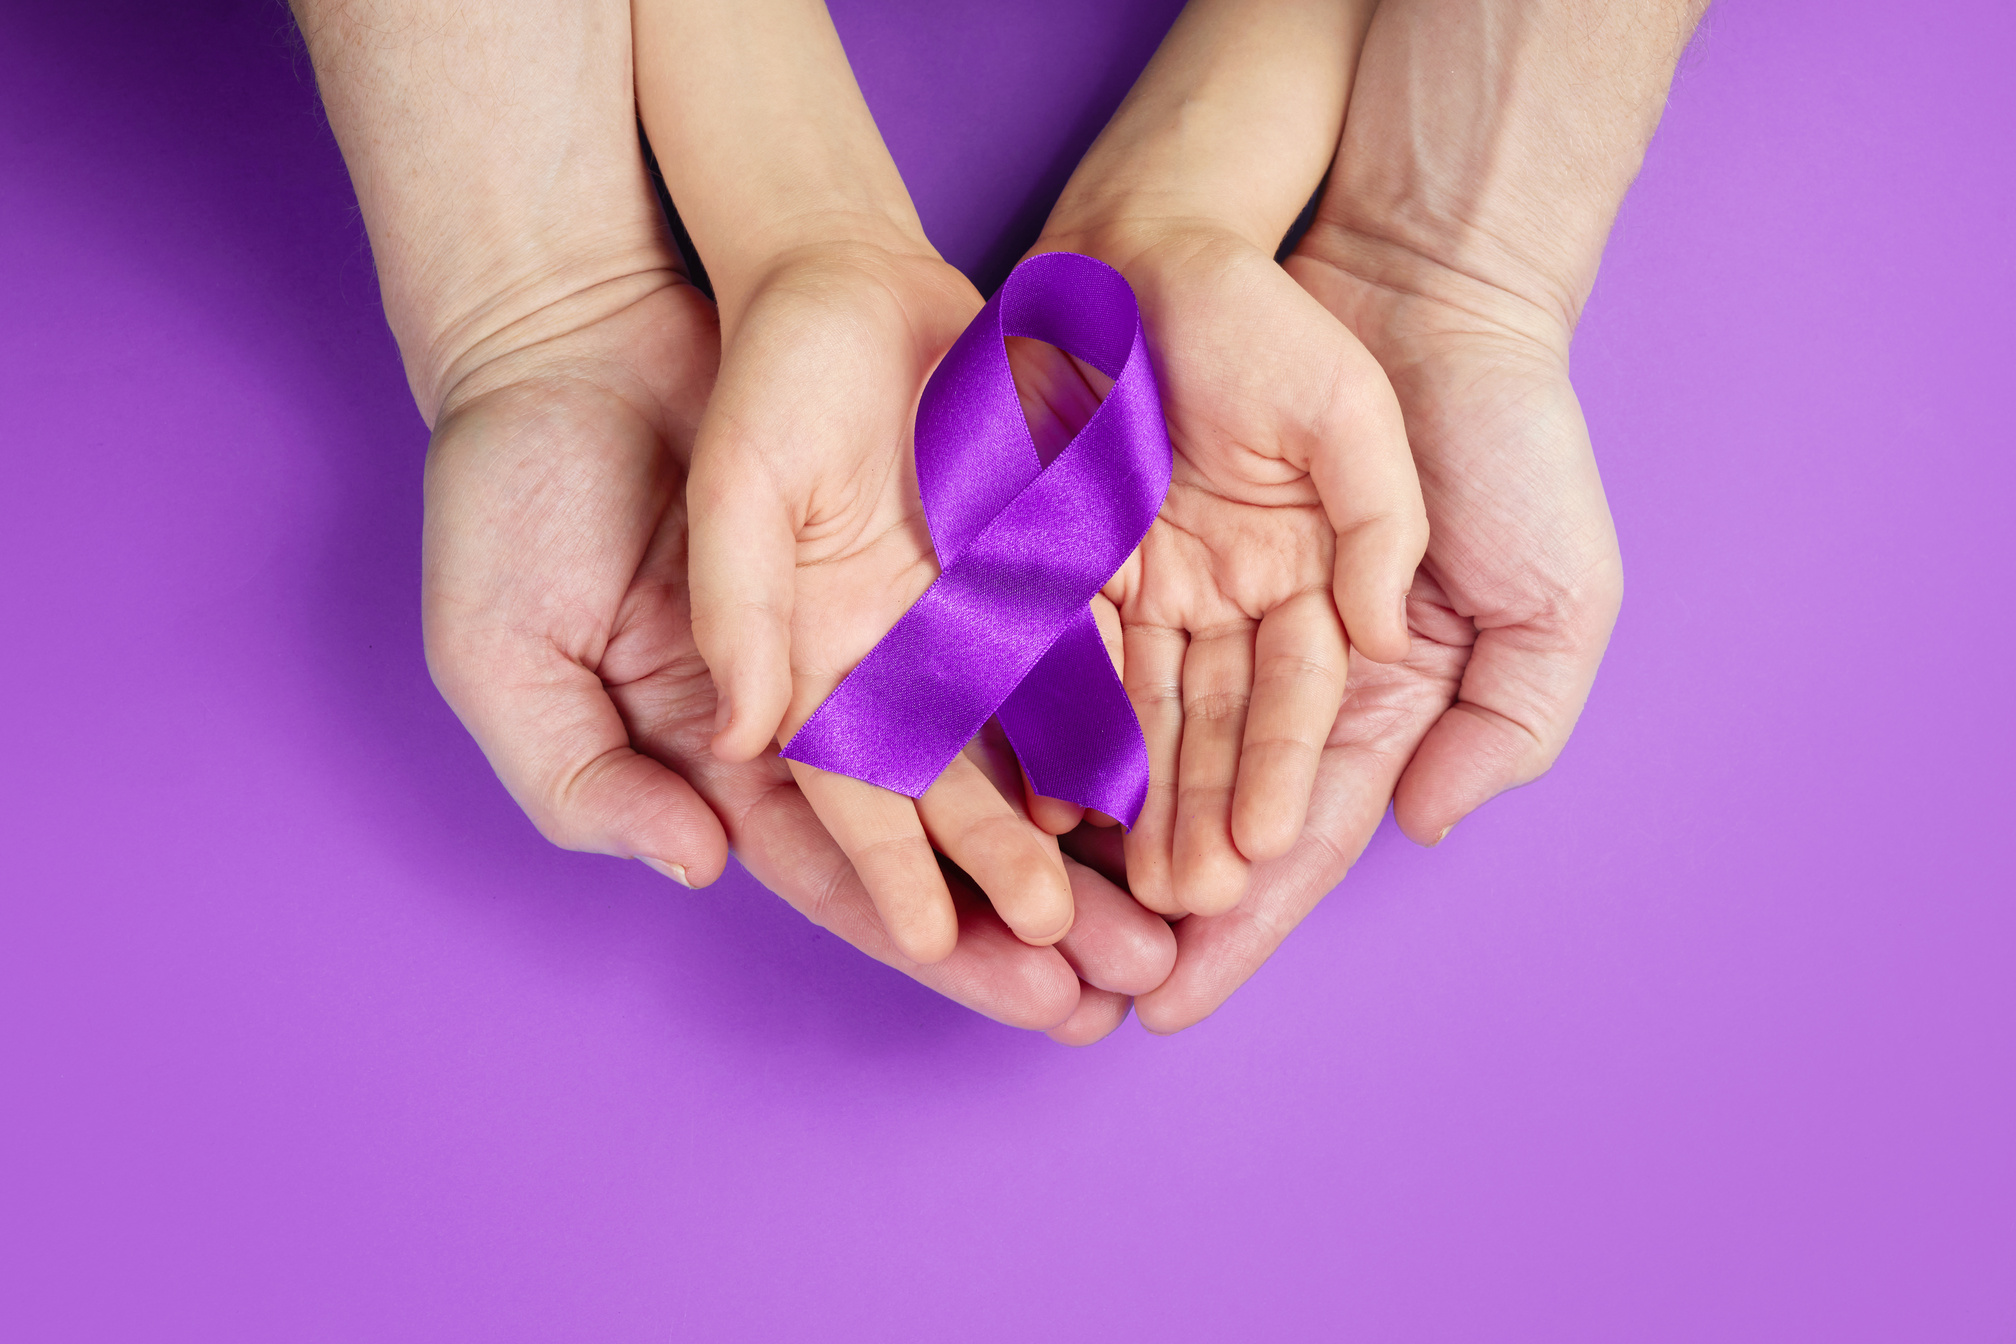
(1210, 873)
(1016, 865)
(881, 836)
(1217, 954)
(555, 739)
(1364, 474)
(995, 755)
(1154, 682)
(742, 558)
(1115, 944)
(1098, 1015)
(1299, 662)
(1053, 816)
(1522, 692)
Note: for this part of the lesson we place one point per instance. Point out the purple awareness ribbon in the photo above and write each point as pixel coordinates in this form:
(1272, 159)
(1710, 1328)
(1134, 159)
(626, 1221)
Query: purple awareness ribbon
(1004, 630)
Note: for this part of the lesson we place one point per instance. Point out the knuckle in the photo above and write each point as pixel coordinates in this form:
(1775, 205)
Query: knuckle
(1218, 707)
(1292, 745)
(564, 813)
(1003, 848)
(561, 828)
(890, 858)
(1299, 669)
(1155, 695)
(1204, 799)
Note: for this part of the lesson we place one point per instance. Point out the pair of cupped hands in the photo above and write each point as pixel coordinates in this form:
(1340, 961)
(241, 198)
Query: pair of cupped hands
(656, 540)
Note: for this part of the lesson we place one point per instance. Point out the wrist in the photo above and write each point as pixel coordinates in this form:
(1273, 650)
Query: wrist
(506, 333)
(1513, 173)
(817, 240)
(1139, 240)
(1123, 218)
(1394, 296)
(459, 295)
(497, 168)
(1525, 248)
(1229, 129)
(766, 143)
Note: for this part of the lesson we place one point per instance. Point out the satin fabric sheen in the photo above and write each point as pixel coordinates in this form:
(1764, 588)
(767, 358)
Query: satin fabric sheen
(1005, 628)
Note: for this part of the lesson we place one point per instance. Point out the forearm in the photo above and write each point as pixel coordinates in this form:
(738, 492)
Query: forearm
(1497, 137)
(763, 136)
(1231, 126)
(495, 157)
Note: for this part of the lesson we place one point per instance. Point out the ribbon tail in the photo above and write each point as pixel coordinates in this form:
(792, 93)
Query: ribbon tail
(1074, 729)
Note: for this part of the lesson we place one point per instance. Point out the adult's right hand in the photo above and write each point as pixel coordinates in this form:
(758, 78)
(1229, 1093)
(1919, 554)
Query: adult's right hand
(1487, 148)
(1510, 614)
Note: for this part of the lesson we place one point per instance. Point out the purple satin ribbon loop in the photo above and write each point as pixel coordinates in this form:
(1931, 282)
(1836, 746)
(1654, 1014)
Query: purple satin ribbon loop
(1004, 629)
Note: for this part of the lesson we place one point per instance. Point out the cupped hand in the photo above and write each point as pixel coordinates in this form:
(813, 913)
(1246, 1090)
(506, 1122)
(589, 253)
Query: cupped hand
(1510, 612)
(810, 542)
(557, 626)
(1289, 537)
(1523, 550)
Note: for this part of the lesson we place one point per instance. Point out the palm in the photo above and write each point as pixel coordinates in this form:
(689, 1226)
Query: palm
(811, 543)
(836, 356)
(551, 536)
(1242, 529)
(1522, 552)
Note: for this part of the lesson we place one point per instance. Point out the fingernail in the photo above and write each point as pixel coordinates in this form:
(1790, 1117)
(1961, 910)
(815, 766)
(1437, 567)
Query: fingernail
(672, 870)
(1444, 836)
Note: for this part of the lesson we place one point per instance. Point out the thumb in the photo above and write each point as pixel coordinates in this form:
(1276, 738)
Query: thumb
(1364, 474)
(1522, 692)
(555, 739)
(742, 567)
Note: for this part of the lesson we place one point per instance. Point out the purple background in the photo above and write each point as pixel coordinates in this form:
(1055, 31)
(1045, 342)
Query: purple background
(307, 1036)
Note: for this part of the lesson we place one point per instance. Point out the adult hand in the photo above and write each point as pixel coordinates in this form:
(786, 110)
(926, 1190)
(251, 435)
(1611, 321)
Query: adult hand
(1510, 614)
(1459, 240)
(563, 362)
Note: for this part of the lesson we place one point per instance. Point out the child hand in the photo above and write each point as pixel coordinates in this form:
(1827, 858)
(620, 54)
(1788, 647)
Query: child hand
(809, 542)
(1294, 521)
(808, 538)
(1290, 536)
